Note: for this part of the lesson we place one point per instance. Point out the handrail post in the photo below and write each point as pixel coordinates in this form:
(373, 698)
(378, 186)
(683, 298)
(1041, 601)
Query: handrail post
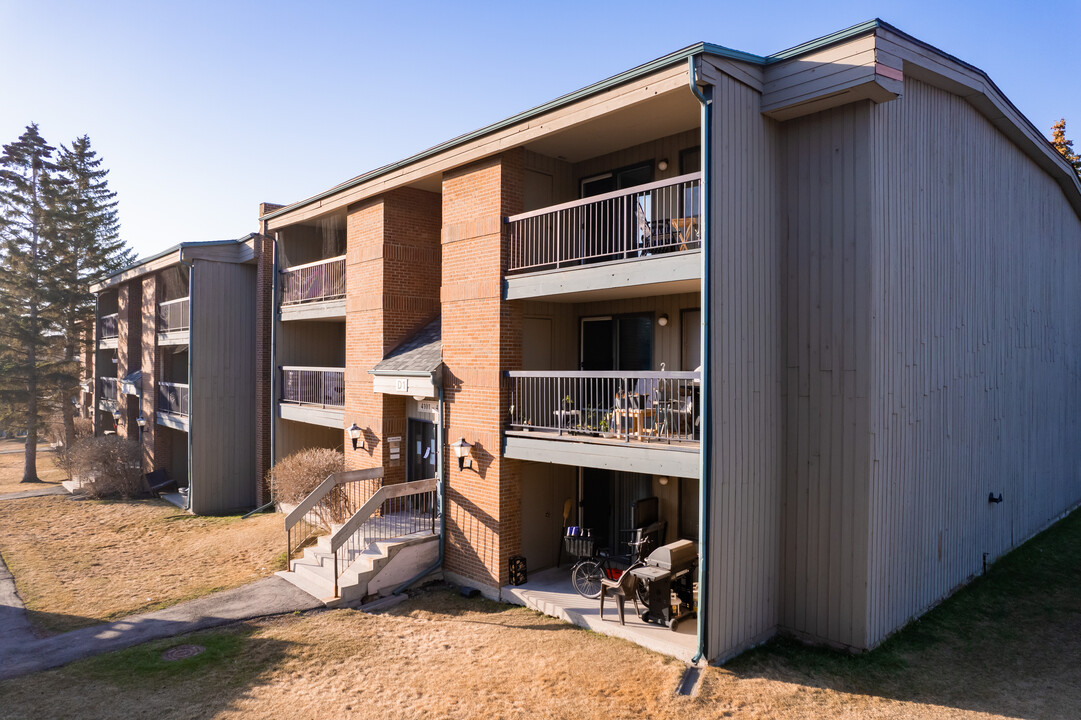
(335, 573)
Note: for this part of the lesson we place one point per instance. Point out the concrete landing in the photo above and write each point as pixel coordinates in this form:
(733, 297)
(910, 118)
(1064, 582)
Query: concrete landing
(550, 592)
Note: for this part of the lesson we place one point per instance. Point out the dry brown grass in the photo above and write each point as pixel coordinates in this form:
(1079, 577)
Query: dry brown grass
(79, 562)
(441, 656)
(11, 468)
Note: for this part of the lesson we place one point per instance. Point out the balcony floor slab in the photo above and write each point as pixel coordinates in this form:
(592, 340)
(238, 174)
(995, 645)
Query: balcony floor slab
(655, 458)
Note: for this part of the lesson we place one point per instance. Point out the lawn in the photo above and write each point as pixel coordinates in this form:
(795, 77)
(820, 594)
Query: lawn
(81, 562)
(11, 467)
(1007, 646)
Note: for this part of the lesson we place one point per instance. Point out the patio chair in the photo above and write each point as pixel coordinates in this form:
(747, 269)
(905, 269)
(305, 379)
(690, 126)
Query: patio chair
(620, 589)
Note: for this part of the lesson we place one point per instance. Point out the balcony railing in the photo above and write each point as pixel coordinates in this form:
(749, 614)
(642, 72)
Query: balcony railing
(314, 282)
(109, 326)
(639, 406)
(314, 386)
(108, 389)
(645, 220)
(173, 315)
(173, 399)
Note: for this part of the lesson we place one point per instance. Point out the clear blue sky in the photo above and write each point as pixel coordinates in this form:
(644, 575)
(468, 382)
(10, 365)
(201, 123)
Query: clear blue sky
(202, 110)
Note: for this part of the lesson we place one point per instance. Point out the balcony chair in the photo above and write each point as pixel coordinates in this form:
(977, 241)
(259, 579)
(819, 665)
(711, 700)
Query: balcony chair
(620, 589)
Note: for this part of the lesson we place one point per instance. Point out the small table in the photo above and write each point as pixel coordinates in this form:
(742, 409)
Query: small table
(567, 419)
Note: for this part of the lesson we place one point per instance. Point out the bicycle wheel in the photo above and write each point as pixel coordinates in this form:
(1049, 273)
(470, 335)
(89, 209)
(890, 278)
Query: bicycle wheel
(586, 576)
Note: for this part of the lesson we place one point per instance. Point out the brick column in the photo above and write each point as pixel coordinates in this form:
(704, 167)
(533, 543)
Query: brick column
(392, 290)
(264, 361)
(153, 436)
(481, 338)
(129, 351)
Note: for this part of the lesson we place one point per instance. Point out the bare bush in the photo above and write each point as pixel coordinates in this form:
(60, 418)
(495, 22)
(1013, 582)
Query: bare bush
(62, 458)
(107, 466)
(294, 477)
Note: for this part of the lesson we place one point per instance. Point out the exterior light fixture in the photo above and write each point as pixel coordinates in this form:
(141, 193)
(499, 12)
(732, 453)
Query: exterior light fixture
(116, 415)
(663, 480)
(461, 451)
(140, 421)
(663, 165)
(663, 319)
(354, 431)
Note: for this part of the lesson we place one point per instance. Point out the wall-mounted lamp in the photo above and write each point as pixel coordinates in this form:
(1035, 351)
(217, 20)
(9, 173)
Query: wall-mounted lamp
(116, 415)
(354, 431)
(419, 398)
(663, 319)
(140, 421)
(663, 165)
(461, 450)
(992, 499)
(663, 480)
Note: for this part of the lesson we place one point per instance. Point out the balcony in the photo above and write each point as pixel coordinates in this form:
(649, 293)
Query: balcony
(314, 395)
(314, 290)
(634, 421)
(600, 243)
(174, 405)
(108, 393)
(108, 330)
(173, 319)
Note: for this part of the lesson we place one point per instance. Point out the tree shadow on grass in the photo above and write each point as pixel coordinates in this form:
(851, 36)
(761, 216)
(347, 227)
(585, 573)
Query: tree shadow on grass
(1009, 643)
(141, 681)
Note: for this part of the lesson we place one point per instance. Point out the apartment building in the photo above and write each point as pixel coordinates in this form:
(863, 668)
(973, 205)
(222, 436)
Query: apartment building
(174, 357)
(820, 304)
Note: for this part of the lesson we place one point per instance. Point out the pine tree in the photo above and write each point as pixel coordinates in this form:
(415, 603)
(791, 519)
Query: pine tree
(89, 247)
(1064, 146)
(28, 206)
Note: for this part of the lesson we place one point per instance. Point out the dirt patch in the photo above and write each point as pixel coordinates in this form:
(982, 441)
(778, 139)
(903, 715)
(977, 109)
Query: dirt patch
(80, 562)
(11, 468)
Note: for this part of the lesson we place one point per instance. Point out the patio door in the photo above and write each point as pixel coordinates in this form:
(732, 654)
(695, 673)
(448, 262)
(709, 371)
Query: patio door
(622, 342)
(606, 500)
(422, 450)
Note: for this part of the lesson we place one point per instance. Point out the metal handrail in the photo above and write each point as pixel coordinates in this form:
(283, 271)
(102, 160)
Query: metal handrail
(174, 398)
(317, 496)
(109, 326)
(324, 386)
(347, 532)
(110, 388)
(640, 221)
(647, 406)
(313, 282)
(173, 315)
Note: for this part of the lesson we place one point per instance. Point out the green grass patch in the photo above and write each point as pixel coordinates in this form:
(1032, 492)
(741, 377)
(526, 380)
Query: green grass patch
(144, 663)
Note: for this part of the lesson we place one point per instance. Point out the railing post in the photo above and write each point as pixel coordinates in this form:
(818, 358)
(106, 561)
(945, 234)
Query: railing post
(335, 573)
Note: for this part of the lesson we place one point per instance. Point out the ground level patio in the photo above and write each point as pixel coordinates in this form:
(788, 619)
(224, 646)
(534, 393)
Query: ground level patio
(550, 592)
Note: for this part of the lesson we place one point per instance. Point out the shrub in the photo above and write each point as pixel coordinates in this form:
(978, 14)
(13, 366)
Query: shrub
(107, 466)
(84, 428)
(294, 477)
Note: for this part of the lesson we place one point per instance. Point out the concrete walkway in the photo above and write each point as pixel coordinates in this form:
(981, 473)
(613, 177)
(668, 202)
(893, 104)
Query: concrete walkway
(37, 492)
(21, 652)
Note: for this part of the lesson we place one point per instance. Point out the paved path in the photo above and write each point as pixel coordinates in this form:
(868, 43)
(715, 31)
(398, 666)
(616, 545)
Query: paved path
(37, 492)
(20, 655)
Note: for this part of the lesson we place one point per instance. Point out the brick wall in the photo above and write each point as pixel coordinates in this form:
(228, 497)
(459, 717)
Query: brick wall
(264, 369)
(481, 338)
(392, 270)
(129, 352)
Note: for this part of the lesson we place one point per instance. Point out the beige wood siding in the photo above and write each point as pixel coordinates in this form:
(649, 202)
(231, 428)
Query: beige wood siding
(826, 269)
(745, 338)
(976, 349)
(222, 421)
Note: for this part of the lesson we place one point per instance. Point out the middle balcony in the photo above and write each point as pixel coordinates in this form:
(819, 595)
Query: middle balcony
(314, 395)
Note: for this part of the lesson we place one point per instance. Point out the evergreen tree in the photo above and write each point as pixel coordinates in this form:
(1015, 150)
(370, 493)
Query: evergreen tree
(89, 247)
(28, 205)
(1064, 146)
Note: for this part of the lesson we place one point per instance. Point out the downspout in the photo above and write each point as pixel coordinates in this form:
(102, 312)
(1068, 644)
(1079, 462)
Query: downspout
(705, 405)
(441, 500)
(190, 264)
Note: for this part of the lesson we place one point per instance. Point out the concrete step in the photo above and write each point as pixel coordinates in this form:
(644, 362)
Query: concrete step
(315, 589)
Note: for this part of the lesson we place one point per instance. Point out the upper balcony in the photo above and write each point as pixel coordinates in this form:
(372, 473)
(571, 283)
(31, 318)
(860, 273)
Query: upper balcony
(641, 240)
(173, 319)
(314, 290)
(108, 330)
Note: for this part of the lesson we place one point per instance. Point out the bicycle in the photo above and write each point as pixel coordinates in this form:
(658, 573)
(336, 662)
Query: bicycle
(594, 565)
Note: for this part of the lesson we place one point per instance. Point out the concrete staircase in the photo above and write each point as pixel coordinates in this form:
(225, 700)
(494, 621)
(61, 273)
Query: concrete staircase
(373, 572)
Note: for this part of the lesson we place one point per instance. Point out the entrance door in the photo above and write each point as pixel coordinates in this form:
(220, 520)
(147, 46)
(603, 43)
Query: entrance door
(422, 451)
